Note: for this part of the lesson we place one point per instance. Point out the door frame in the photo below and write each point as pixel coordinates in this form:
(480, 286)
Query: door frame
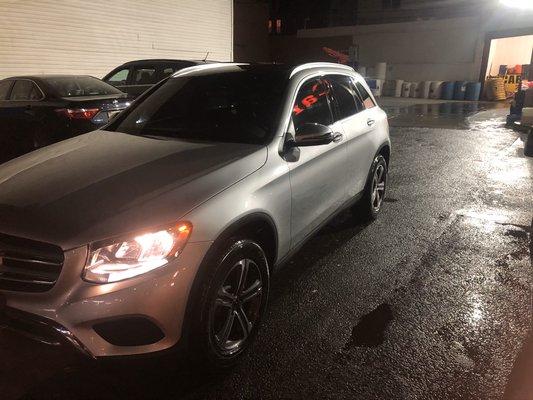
(489, 37)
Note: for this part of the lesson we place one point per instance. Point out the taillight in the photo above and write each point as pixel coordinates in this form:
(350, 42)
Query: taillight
(78, 113)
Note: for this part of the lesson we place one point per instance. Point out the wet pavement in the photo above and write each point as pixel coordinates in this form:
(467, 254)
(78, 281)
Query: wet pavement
(431, 301)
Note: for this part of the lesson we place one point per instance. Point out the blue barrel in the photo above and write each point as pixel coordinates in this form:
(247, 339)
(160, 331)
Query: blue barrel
(447, 90)
(459, 90)
(473, 90)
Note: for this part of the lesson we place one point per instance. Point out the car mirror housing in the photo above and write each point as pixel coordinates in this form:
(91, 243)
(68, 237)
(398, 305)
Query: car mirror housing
(313, 134)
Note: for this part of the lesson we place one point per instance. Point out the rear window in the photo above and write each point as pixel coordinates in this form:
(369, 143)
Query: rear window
(79, 86)
(365, 96)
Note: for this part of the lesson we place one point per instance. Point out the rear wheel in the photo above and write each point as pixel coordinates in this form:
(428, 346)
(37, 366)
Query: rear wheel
(372, 201)
(232, 303)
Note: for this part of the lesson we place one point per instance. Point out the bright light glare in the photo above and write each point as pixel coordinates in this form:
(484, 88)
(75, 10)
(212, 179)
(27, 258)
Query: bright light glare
(523, 4)
(155, 245)
(139, 255)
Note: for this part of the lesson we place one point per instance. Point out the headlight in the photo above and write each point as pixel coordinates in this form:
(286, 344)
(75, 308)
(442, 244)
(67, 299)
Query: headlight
(131, 256)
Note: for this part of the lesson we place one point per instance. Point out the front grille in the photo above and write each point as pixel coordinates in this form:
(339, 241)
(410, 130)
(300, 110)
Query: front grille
(27, 265)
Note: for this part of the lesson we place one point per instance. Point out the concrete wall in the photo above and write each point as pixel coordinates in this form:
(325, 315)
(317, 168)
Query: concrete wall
(446, 49)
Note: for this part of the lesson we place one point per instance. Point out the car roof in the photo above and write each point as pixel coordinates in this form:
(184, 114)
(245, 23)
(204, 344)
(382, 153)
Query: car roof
(290, 69)
(163, 61)
(45, 76)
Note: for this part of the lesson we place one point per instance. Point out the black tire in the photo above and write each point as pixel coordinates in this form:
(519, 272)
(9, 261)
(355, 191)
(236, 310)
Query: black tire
(213, 309)
(368, 208)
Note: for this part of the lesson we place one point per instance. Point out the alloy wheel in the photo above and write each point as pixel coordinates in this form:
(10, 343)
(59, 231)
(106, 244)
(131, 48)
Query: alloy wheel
(236, 308)
(378, 187)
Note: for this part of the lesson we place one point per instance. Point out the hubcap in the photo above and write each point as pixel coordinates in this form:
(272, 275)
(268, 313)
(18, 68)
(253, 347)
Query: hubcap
(236, 308)
(378, 187)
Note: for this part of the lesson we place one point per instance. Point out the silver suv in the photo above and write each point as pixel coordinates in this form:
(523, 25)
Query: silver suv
(164, 227)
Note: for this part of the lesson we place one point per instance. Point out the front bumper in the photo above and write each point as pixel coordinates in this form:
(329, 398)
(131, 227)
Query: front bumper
(141, 315)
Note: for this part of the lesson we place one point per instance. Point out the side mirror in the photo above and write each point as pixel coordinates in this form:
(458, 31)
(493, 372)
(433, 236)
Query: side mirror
(312, 134)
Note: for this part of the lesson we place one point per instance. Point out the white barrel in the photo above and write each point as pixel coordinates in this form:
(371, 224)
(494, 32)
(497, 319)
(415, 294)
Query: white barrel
(435, 89)
(406, 89)
(380, 70)
(527, 116)
(424, 89)
(414, 89)
(398, 87)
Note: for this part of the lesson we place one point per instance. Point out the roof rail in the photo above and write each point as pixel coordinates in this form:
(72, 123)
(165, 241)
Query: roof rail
(201, 67)
(318, 65)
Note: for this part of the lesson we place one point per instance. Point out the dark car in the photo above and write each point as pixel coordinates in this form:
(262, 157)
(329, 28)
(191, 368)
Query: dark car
(39, 110)
(135, 77)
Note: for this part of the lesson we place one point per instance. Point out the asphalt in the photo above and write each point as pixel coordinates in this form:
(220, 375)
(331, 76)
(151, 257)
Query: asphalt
(431, 301)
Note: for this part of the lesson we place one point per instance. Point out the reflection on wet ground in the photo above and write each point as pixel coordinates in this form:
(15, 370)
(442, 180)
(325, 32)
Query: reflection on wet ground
(453, 115)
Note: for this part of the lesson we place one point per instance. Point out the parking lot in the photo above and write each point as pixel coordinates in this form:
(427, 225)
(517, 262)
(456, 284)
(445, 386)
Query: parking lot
(432, 300)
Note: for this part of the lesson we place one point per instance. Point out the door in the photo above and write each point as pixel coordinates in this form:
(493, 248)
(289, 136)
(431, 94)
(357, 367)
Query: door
(358, 121)
(317, 173)
(23, 111)
(6, 121)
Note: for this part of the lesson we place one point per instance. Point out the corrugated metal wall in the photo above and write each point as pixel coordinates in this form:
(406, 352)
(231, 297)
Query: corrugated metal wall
(92, 37)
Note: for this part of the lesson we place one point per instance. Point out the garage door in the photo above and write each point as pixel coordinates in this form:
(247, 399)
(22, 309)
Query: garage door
(93, 37)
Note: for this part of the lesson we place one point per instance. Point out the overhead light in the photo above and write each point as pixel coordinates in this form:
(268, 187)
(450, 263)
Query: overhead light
(523, 4)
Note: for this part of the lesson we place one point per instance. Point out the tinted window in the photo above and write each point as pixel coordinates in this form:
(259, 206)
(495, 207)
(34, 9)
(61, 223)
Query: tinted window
(365, 97)
(4, 89)
(312, 103)
(344, 95)
(79, 86)
(167, 72)
(120, 77)
(144, 76)
(25, 90)
(239, 107)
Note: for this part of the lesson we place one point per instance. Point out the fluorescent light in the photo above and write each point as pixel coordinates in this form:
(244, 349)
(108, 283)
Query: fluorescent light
(523, 4)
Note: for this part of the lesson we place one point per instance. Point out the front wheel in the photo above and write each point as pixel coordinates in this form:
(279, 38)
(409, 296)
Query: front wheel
(372, 201)
(232, 303)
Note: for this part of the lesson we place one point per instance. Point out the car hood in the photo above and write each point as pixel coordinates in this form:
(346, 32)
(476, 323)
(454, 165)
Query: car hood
(104, 184)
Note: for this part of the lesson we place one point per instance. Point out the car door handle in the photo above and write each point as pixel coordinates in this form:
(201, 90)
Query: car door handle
(337, 137)
(370, 122)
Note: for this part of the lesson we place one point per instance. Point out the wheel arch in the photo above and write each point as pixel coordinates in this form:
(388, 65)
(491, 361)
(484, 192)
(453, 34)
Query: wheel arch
(257, 226)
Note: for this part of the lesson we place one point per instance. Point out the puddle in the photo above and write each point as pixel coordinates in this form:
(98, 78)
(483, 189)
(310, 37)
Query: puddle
(441, 115)
(370, 331)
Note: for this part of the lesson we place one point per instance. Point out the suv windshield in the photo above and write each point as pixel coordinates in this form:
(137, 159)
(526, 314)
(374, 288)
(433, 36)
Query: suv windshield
(238, 107)
(76, 86)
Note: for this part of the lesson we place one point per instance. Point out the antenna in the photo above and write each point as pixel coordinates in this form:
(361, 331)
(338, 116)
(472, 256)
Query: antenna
(206, 55)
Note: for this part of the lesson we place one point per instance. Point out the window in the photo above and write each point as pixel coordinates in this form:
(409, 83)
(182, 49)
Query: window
(233, 107)
(365, 97)
(4, 89)
(144, 76)
(79, 86)
(312, 104)
(120, 77)
(167, 72)
(345, 96)
(25, 90)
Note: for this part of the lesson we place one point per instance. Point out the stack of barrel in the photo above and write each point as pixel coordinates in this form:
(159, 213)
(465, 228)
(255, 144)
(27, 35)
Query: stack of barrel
(458, 90)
